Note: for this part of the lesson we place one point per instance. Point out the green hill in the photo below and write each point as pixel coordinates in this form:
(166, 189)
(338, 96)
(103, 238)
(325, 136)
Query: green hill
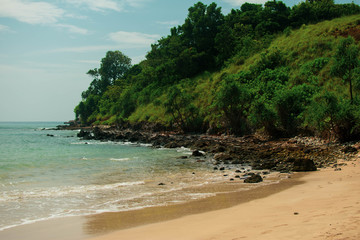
(293, 80)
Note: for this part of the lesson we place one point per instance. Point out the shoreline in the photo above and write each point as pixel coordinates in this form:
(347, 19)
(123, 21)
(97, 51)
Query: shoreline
(89, 226)
(325, 205)
(318, 204)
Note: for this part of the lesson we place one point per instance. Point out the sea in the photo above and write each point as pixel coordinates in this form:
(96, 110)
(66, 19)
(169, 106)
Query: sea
(47, 174)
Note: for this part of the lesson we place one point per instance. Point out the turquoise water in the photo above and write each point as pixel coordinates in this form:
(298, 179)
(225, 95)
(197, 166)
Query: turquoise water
(44, 177)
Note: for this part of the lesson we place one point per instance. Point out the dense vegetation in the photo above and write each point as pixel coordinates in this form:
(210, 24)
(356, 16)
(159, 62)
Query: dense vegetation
(271, 68)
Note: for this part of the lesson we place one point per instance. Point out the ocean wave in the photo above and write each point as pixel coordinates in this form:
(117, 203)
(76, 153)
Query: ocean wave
(18, 195)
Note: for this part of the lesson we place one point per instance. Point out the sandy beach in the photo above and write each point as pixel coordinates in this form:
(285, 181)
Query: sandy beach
(326, 205)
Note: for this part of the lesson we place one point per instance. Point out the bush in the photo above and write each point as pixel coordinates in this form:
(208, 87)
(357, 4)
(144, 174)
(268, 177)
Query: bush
(334, 117)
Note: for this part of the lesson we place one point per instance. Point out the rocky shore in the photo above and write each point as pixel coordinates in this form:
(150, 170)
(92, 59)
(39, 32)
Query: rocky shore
(283, 155)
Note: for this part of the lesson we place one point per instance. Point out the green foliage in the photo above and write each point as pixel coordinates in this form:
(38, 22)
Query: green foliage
(347, 62)
(184, 113)
(334, 117)
(290, 105)
(234, 101)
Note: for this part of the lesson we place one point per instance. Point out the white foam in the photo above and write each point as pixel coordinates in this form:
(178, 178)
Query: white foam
(119, 159)
(16, 195)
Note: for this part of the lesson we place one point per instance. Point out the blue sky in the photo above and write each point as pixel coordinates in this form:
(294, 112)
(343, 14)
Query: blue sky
(46, 47)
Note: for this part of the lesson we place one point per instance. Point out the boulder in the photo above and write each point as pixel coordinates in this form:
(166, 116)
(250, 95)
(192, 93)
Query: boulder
(197, 153)
(303, 165)
(254, 179)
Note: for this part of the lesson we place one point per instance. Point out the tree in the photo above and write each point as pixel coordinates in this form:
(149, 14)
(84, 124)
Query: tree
(234, 101)
(346, 62)
(113, 66)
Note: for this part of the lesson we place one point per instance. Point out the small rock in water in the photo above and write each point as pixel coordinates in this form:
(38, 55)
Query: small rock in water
(197, 153)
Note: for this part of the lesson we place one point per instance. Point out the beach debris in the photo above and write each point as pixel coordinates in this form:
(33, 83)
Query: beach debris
(254, 179)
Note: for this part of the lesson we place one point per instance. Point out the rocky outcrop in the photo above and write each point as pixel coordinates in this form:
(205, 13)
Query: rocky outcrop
(284, 155)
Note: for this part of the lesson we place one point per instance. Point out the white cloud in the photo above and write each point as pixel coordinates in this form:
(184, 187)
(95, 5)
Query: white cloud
(30, 12)
(99, 5)
(238, 3)
(169, 23)
(133, 39)
(103, 5)
(73, 29)
(4, 28)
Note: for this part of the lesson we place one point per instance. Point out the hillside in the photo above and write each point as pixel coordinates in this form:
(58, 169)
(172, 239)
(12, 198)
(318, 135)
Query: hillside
(295, 80)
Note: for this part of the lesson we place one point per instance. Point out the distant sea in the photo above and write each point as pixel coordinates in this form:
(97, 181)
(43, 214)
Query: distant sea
(46, 174)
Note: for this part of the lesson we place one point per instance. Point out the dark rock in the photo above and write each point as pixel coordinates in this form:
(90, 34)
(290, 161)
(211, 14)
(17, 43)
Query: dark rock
(215, 168)
(237, 176)
(231, 179)
(349, 149)
(161, 184)
(86, 135)
(183, 157)
(197, 153)
(172, 145)
(238, 171)
(254, 179)
(303, 165)
(222, 169)
(307, 151)
(337, 169)
(222, 157)
(50, 135)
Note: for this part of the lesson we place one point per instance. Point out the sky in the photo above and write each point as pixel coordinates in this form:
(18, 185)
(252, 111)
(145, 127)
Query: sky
(46, 47)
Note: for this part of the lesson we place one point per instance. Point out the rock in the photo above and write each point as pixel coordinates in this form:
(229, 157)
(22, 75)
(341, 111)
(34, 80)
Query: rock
(238, 171)
(222, 169)
(86, 135)
(337, 169)
(215, 168)
(303, 165)
(161, 184)
(172, 145)
(231, 179)
(237, 176)
(254, 179)
(197, 153)
(50, 135)
(222, 157)
(349, 149)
